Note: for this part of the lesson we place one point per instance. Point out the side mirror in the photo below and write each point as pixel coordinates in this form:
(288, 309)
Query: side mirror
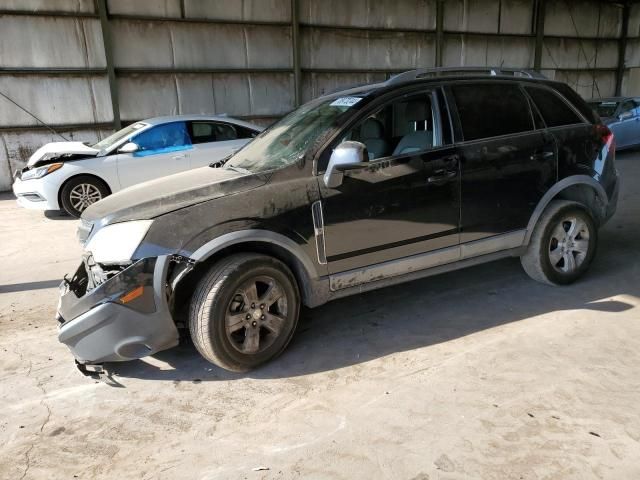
(625, 115)
(128, 147)
(346, 156)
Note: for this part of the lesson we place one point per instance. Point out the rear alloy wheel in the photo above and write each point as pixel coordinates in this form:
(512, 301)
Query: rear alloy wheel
(562, 245)
(80, 192)
(569, 244)
(244, 311)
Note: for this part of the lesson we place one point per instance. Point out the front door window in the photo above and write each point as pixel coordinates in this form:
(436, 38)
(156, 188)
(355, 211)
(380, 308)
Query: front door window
(170, 137)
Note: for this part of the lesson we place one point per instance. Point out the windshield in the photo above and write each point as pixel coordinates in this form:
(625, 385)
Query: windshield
(286, 141)
(605, 109)
(111, 140)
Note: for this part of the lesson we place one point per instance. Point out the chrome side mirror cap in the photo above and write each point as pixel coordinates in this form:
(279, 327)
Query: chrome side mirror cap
(128, 147)
(346, 156)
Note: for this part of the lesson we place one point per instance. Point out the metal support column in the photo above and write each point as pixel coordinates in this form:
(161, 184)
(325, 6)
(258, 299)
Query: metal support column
(622, 48)
(539, 31)
(439, 32)
(108, 55)
(295, 45)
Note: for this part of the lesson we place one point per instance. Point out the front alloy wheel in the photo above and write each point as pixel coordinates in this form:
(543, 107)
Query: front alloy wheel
(81, 192)
(256, 315)
(83, 195)
(244, 311)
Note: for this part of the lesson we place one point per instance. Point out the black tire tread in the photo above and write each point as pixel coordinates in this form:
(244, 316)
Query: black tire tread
(204, 298)
(64, 192)
(532, 260)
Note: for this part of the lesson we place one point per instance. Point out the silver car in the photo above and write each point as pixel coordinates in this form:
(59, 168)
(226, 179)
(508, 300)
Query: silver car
(622, 116)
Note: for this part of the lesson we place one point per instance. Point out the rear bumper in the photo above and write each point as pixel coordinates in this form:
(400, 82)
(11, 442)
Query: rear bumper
(98, 327)
(612, 205)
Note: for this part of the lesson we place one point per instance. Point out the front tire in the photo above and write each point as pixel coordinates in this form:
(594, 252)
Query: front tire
(80, 192)
(562, 245)
(244, 312)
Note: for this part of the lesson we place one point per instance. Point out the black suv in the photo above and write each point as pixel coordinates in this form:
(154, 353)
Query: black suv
(430, 171)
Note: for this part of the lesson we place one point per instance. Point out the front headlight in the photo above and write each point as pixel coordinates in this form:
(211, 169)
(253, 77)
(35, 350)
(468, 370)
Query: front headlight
(40, 171)
(116, 244)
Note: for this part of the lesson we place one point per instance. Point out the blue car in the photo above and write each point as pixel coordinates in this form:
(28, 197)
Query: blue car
(622, 116)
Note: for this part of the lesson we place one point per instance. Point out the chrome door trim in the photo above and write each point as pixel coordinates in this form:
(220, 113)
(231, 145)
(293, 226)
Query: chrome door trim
(318, 230)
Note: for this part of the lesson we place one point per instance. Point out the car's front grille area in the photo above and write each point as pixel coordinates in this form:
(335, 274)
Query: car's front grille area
(83, 231)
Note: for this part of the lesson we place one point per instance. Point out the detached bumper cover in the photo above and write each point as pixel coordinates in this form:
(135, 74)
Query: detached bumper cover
(97, 328)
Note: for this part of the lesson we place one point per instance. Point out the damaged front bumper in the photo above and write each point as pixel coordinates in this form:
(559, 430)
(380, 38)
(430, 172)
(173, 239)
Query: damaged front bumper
(125, 317)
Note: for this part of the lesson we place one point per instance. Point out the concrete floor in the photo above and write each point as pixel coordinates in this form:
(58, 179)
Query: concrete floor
(480, 373)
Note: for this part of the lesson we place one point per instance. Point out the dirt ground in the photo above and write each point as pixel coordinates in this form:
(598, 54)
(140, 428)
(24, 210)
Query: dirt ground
(480, 373)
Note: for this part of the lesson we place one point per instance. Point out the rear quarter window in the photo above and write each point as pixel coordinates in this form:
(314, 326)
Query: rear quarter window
(491, 110)
(554, 110)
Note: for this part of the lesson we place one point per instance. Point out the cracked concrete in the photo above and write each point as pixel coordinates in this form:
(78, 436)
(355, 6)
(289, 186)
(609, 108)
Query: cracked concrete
(480, 373)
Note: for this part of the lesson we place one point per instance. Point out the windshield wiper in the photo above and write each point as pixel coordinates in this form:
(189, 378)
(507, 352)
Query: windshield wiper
(221, 162)
(240, 170)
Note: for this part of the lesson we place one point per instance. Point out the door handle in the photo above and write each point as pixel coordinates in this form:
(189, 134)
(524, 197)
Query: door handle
(179, 156)
(441, 177)
(541, 155)
(452, 161)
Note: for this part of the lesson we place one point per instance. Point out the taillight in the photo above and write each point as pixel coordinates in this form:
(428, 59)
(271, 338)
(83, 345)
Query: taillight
(605, 134)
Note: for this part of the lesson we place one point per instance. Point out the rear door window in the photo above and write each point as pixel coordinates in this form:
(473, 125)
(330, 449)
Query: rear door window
(202, 132)
(554, 109)
(207, 132)
(491, 110)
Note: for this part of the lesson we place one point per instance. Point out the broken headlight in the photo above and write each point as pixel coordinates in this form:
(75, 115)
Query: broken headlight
(116, 244)
(83, 231)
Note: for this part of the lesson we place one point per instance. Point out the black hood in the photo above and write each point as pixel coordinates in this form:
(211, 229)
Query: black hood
(163, 195)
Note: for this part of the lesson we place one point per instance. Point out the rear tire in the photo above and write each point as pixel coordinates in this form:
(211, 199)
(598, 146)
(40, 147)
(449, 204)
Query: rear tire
(244, 311)
(562, 245)
(80, 192)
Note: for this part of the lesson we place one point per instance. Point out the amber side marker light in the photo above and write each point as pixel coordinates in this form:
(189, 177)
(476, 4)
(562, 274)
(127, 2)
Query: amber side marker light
(53, 167)
(132, 294)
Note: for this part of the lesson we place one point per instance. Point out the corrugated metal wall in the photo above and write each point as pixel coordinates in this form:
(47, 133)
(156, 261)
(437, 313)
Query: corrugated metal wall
(238, 56)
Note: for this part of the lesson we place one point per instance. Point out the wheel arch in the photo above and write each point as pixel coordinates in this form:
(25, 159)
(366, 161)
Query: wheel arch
(76, 175)
(256, 241)
(579, 188)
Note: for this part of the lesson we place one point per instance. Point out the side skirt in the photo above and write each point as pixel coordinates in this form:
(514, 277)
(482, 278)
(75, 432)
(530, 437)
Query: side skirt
(408, 277)
(426, 264)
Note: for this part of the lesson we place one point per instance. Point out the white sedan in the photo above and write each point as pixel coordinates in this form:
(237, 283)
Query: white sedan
(71, 175)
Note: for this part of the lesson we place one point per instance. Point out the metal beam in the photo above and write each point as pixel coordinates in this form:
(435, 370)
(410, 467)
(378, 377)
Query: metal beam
(357, 28)
(539, 32)
(439, 32)
(46, 13)
(108, 55)
(213, 21)
(60, 127)
(195, 70)
(295, 46)
(52, 71)
(622, 48)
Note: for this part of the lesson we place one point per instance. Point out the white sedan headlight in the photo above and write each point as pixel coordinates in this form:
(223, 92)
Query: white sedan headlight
(40, 171)
(117, 243)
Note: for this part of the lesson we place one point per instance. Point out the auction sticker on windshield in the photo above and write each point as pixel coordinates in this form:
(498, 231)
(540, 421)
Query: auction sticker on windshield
(345, 101)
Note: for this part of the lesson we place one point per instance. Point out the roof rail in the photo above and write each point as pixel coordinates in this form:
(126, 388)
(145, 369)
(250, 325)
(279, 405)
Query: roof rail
(436, 72)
